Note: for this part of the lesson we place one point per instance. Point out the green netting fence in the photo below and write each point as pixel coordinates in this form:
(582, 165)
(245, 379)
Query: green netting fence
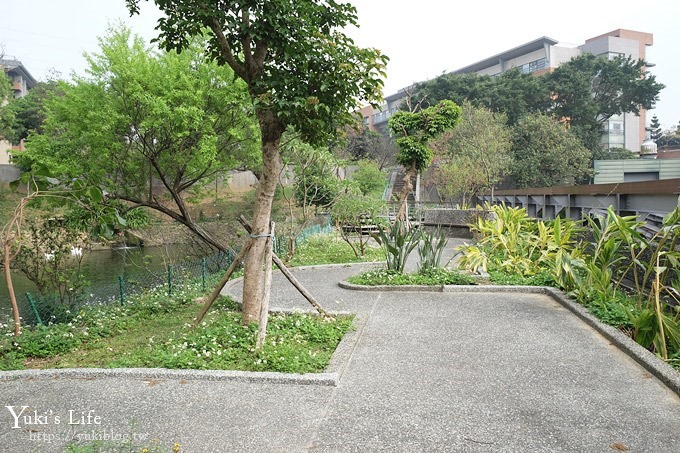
(281, 243)
(53, 308)
(121, 289)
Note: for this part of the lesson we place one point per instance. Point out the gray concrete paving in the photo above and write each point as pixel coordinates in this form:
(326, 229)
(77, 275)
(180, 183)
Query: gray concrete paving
(477, 372)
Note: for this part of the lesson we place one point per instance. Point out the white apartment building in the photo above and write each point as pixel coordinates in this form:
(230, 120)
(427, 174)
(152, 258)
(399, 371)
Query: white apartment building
(21, 81)
(543, 55)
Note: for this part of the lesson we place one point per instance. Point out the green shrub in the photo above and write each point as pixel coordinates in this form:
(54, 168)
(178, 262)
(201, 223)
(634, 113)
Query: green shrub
(369, 178)
(518, 250)
(433, 276)
(540, 279)
(514, 243)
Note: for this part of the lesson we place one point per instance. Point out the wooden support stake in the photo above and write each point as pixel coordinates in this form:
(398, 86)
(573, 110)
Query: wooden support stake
(301, 289)
(291, 278)
(218, 289)
(264, 309)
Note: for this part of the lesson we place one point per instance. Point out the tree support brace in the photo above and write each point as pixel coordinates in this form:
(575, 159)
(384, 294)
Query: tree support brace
(286, 272)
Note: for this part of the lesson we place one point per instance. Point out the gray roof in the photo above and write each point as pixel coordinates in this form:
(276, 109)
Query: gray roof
(16, 67)
(531, 46)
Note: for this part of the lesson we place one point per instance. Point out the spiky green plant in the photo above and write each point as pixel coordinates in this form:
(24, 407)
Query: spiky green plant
(430, 250)
(397, 241)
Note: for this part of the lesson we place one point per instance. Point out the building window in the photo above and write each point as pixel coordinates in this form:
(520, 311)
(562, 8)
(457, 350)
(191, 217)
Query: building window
(534, 66)
(613, 134)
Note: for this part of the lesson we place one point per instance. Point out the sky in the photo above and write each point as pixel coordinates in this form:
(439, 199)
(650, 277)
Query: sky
(423, 38)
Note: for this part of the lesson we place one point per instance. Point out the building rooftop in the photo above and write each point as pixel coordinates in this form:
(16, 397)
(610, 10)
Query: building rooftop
(15, 66)
(536, 44)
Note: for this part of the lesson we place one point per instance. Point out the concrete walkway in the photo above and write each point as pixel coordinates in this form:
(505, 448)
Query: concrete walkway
(477, 372)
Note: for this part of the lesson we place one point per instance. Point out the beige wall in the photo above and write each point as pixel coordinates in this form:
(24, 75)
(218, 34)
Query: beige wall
(559, 55)
(524, 59)
(633, 43)
(4, 154)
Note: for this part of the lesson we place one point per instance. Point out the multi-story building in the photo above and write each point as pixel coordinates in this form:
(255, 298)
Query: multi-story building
(541, 56)
(21, 81)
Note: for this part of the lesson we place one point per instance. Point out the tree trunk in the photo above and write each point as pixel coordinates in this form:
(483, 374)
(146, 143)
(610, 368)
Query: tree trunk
(403, 196)
(253, 276)
(291, 278)
(10, 289)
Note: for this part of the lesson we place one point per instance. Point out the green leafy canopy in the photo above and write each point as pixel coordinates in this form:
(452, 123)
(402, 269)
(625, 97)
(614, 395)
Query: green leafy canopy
(291, 55)
(415, 130)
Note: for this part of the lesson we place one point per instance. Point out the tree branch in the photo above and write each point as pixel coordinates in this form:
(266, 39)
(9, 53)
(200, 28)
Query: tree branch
(227, 53)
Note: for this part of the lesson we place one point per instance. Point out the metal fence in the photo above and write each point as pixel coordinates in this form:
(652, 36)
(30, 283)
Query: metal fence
(53, 308)
(281, 242)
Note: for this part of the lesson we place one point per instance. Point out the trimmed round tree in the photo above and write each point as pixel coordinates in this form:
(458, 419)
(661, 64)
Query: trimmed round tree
(413, 132)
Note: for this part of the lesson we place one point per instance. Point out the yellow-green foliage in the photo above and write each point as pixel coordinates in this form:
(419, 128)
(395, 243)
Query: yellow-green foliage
(513, 242)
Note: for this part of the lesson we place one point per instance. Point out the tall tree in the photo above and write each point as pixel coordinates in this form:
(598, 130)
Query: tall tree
(29, 110)
(670, 138)
(368, 144)
(7, 117)
(316, 181)
(513, 93)
(480, 147)
(300, 70)
(458, 180)
(588, 90)
(369, 178)
(546, 154)
(315, 185)
(144, 127)
(414, 131)
(655, 129)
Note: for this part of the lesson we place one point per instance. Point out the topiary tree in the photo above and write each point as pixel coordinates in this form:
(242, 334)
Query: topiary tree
(414, 132)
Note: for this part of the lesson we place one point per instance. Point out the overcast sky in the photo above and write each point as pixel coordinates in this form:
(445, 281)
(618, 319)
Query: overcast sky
(423, 38)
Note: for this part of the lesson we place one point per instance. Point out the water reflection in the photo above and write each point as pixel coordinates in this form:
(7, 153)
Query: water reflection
(101, 269)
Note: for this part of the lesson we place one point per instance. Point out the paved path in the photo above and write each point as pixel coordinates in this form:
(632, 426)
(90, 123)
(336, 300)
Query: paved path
(483, 372)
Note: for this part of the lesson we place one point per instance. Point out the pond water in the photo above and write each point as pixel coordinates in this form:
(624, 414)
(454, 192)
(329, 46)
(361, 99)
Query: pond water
(101, 269)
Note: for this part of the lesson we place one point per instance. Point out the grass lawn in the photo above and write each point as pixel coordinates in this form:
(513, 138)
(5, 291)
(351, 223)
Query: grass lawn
(154, 330)
(329, 249)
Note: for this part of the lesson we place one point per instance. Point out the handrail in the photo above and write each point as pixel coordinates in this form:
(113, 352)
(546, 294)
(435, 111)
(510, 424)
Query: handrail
(664, 186)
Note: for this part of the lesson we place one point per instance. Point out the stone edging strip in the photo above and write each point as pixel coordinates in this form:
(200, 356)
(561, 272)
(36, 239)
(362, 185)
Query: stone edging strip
(323, 379)
(329, 378)
(657, 367)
